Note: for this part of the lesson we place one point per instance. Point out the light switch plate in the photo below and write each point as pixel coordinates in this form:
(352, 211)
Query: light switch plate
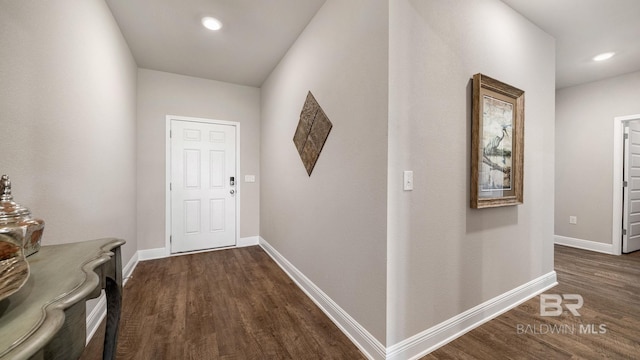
(249, 178)
(407, 180)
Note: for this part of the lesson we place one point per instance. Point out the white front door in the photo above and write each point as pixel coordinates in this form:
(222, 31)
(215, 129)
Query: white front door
(631, 201)
(203, 178)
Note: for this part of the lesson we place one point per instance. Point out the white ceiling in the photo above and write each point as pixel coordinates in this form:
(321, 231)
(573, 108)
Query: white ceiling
(166, 35)
(585, 28)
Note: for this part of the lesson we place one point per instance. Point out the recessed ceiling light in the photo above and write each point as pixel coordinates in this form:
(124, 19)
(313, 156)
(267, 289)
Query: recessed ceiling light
(211, 23)
(603, 56)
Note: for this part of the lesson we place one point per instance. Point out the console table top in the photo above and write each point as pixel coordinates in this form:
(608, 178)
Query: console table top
(61, 275)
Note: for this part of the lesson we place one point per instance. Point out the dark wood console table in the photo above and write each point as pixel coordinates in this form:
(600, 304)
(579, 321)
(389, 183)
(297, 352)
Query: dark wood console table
(46, 319)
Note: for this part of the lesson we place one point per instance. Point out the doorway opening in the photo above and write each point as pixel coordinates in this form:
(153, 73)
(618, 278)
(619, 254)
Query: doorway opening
(626, 184)
(202, 191)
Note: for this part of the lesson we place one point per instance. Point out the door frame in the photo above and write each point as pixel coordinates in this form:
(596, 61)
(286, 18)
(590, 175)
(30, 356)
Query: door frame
(167, 182)
(618, 169)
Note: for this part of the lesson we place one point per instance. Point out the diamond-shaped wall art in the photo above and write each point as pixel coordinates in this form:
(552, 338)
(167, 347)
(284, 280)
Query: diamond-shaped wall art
(312, 132)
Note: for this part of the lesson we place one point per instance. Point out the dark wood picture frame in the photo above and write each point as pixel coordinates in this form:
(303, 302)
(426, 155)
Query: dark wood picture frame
(497, 144)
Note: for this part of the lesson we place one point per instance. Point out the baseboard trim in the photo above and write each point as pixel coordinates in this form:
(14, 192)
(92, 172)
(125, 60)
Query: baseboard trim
(127, 270)
(152, 254)
(584, 244)
(161, 253)
(248, 241)
(368, 344)
(425, 342)
(95, 317)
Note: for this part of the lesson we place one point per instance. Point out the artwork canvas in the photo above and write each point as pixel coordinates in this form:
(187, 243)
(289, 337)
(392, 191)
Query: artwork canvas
(497, 159)
(497, 146)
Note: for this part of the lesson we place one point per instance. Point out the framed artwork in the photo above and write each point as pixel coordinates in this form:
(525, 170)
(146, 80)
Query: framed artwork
(497, 143)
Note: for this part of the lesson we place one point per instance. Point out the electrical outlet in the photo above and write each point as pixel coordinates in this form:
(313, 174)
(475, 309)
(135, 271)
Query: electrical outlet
(573, 220)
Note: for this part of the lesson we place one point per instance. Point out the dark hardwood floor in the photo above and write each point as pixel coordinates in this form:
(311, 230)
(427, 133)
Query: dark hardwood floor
(228, 304)
(610, 288)
(238, 304)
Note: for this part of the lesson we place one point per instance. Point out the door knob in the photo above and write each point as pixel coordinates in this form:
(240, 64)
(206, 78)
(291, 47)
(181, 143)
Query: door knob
(232, 191)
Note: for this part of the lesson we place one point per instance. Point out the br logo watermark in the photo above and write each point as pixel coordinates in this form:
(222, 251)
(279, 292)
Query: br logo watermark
(553, 305)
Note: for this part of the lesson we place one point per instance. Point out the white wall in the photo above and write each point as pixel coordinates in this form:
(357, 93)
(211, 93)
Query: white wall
(445, 258)
(584, 154)
(161, 94)
(67, 118)
(332, 225)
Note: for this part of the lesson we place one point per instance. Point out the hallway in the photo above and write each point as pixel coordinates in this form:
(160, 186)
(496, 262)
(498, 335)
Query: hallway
(227, 304)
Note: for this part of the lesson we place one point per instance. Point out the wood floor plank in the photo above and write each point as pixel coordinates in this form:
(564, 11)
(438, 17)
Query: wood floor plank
(238, 304)
(610, 287)
(229, 304)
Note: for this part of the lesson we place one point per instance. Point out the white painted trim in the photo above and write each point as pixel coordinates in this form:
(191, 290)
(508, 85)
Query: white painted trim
(167, 188)
(248, 241)
(95, 317)
(618, 168)
(584, 244)
(127, 270)
(369, 345)
(152, 254)
(236, 124)
(161, 253)
(423, 343)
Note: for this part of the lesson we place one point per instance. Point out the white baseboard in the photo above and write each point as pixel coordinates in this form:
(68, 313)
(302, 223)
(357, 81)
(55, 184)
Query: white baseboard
(161, 253)
(127, 270)
(369, 345)
(152, 254)
(423, 343)
(584, 244)
(248, 241)
(95, 317)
